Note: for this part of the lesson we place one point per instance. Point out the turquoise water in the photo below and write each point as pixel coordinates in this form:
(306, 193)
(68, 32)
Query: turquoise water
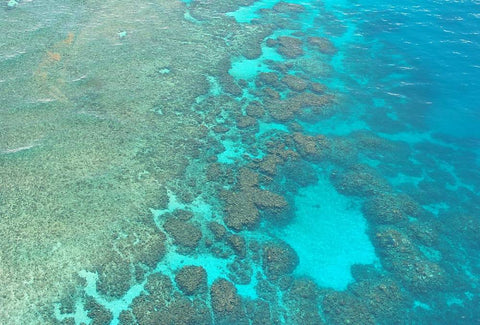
(240, 162)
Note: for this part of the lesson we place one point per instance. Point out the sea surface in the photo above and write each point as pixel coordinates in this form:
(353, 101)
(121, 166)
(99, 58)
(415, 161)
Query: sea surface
(239, 162)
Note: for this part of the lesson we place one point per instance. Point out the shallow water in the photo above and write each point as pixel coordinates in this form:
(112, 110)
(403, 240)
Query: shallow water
(239, 162)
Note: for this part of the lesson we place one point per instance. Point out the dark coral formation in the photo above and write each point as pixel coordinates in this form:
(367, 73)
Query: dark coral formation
(290, 47)
(162, 305)
(242, 207)
(374, 300)
(217, 229)
(384, 208)
(302, 298)
(295, 83)
(360, 181)
(184, 233)
(114, 278)
(403, 258)
(97, 312)
(310, 147)
(287, 7)
(278, 259)
(191, 279)
(304, 105)
(322, 44)
(240, 271)
(227, 305)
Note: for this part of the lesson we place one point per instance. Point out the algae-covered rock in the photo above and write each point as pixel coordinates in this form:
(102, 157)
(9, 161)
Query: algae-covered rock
(317, 88)
(146, 311)
(126, 318)
(242, 207)
(183, 311)
(183, 215)
(269, 164)
(247, 178)
(259, 312)
(244, 122)
(267, 79)
(269, 201)
(310, 147)
(344, 308)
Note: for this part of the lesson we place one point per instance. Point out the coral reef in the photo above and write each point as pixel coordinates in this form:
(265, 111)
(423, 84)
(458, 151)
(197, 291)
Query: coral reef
(278, 259)
(359, 181)
(402, 257)
(322, 44)
(184, 233)
(192, 279)
(227, 305)
(290, 47)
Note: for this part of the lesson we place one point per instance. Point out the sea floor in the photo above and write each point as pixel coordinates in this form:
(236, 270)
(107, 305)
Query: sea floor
(239, 162)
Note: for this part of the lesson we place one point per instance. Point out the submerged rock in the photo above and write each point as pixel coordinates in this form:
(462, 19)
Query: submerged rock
(317, 88)
(242, 206)
(244, 122)
(344, 308)
(259, 312)
(160, 289)
(240, 271)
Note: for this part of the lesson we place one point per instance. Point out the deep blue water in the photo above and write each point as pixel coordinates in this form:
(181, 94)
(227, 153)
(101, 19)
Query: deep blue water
(350, 195)
(439, 41)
